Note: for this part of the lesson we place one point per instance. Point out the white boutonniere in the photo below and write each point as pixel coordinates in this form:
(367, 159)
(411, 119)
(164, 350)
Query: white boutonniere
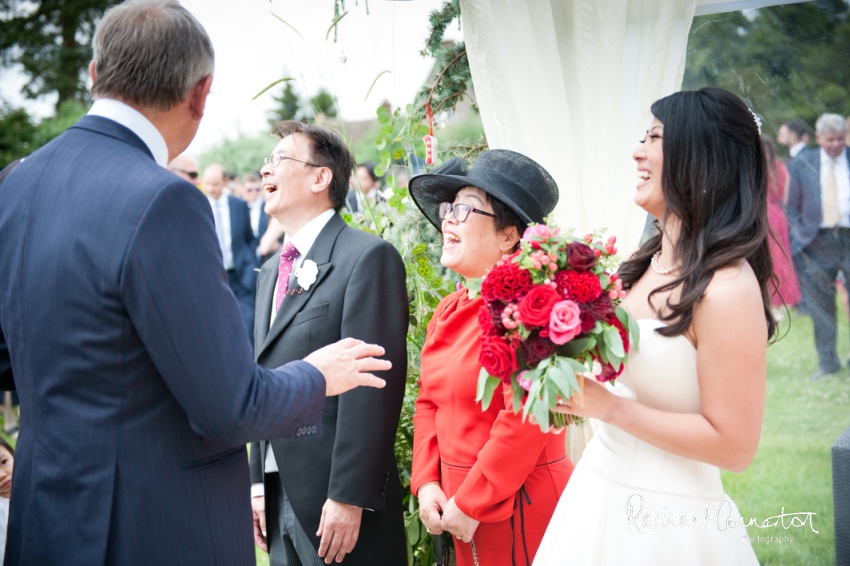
(306, 274)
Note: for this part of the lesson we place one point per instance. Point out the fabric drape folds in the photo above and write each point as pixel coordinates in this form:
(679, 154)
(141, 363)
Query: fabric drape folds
(569, 83)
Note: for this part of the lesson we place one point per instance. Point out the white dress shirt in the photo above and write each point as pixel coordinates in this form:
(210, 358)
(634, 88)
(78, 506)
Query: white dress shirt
(134, 121)
(797, 149)
(256, 210)
(303, 241)
(842, 178)
(223, 216)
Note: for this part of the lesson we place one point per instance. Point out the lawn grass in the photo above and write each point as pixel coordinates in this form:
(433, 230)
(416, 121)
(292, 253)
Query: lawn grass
(792, 468)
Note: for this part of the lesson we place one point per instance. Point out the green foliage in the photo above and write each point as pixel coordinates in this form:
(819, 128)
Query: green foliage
(785, 61)
(51, 40)
(239, 155)
(290, 106)
(20, 136)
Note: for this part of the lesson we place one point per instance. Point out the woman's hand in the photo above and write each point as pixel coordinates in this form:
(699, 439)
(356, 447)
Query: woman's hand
(599, 402)
(432, 503)
(457, 523)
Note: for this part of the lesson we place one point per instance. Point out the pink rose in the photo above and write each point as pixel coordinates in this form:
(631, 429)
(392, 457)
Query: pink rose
(564, 322)
(539, 230)
(522, 381)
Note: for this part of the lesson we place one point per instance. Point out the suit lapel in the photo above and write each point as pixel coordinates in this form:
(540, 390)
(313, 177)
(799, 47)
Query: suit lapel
(265, 289)
(294, 302)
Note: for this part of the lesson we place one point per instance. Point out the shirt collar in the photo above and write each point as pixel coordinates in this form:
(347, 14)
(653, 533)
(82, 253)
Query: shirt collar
(824, 158)
(797, 149)
(306, 236)
(134, 121)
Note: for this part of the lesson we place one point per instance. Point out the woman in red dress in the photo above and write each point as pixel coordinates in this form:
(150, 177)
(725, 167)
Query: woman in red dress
(788, 291)
(489, 479)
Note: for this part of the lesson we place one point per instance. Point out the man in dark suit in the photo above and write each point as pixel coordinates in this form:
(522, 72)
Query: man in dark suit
(236, 240)
(338, 497)
(819, 223)
(119, 330)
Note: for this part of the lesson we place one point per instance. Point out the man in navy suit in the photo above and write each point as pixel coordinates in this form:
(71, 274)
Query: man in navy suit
(819, 223)
(119, 329)
(236, 240)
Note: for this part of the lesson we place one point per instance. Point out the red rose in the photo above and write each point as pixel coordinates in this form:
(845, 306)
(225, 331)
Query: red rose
(579, 286)
(580, 256)
(624, 335)
(535, 308)
(600, 308)
(498, 357)
(609, 373)
(537, 348)
(588, 321)
(506, 282)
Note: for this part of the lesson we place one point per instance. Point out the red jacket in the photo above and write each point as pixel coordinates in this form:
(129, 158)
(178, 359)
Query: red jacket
(482, 458)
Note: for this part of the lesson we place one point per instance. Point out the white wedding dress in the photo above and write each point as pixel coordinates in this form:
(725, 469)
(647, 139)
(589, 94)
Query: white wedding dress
(629, 502)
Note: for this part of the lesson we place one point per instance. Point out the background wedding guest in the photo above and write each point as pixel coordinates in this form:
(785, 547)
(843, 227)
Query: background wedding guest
(365, 185)
(236, 240)
(787, 292)
(185, 167)
(338, 497)
(818, 214)
(488, 475)
(793, 134)
(121, 334)
(252, 193)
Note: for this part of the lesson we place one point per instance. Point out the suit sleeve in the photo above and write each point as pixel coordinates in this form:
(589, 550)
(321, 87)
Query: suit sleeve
(376, 311)
(426, 449)
(794, 208)
(176, 293)
(506, 460)
(256, 464)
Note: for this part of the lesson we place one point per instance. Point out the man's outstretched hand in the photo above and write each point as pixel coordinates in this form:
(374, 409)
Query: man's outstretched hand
(346, 364)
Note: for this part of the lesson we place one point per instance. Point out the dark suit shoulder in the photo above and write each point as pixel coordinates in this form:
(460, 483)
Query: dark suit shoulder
(354, 239)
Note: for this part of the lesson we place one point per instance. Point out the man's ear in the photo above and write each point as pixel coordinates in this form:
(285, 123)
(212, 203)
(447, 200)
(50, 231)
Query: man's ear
(198, 97)
(92, 72)
(510, 237)
(322, 179)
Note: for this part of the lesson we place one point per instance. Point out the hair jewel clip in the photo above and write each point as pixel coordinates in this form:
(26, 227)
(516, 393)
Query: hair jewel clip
(756, 119)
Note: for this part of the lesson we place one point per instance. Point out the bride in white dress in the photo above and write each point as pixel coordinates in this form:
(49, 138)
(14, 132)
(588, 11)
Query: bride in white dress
(647, 490)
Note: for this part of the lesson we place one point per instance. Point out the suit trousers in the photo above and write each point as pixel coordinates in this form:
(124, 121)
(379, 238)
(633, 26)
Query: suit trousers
(821, 260)
(288, 543)
(245, 299)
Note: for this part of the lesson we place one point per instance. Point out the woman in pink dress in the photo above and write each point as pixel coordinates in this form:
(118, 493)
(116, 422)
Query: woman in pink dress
(788, 291)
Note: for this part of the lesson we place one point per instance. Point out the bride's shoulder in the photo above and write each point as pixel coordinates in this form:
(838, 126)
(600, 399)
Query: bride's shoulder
(733, 289)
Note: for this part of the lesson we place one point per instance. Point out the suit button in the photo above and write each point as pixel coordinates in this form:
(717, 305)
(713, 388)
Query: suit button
(299, 432)
(313, 429)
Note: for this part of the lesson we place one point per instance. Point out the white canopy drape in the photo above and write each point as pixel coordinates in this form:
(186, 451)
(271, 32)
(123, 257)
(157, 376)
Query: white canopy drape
(569, 83)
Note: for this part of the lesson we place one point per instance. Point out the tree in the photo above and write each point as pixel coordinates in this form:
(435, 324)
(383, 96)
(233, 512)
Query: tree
(290, 106)
(239, 155)
(51, 40)
(20, 136)
(785, 61)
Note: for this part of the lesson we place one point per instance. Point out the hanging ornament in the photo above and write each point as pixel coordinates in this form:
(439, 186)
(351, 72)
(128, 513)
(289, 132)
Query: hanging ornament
(430, 140)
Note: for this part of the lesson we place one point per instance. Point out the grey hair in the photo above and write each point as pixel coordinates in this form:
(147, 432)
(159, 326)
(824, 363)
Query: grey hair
(151, 53)
(831, 124)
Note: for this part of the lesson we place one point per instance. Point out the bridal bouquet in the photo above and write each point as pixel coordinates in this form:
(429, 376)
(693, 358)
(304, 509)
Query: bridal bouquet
(551, 315)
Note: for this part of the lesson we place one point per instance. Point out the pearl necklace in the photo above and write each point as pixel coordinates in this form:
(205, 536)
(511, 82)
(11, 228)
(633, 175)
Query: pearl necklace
(658, 268)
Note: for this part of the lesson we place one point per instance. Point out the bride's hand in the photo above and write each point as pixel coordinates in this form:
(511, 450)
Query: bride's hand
(599, 403)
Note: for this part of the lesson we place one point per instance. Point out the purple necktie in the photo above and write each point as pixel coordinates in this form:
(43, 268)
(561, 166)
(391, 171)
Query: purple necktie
(287, 257)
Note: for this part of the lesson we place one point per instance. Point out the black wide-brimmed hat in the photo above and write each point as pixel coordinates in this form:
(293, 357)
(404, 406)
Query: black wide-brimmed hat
(516, 180)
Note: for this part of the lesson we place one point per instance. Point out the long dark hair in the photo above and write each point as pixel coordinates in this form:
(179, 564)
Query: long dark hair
(714, 180)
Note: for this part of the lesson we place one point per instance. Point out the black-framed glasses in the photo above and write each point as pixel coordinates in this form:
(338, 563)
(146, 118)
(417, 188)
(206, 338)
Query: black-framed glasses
(277, 157)
(461, 211)
(191, 174)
